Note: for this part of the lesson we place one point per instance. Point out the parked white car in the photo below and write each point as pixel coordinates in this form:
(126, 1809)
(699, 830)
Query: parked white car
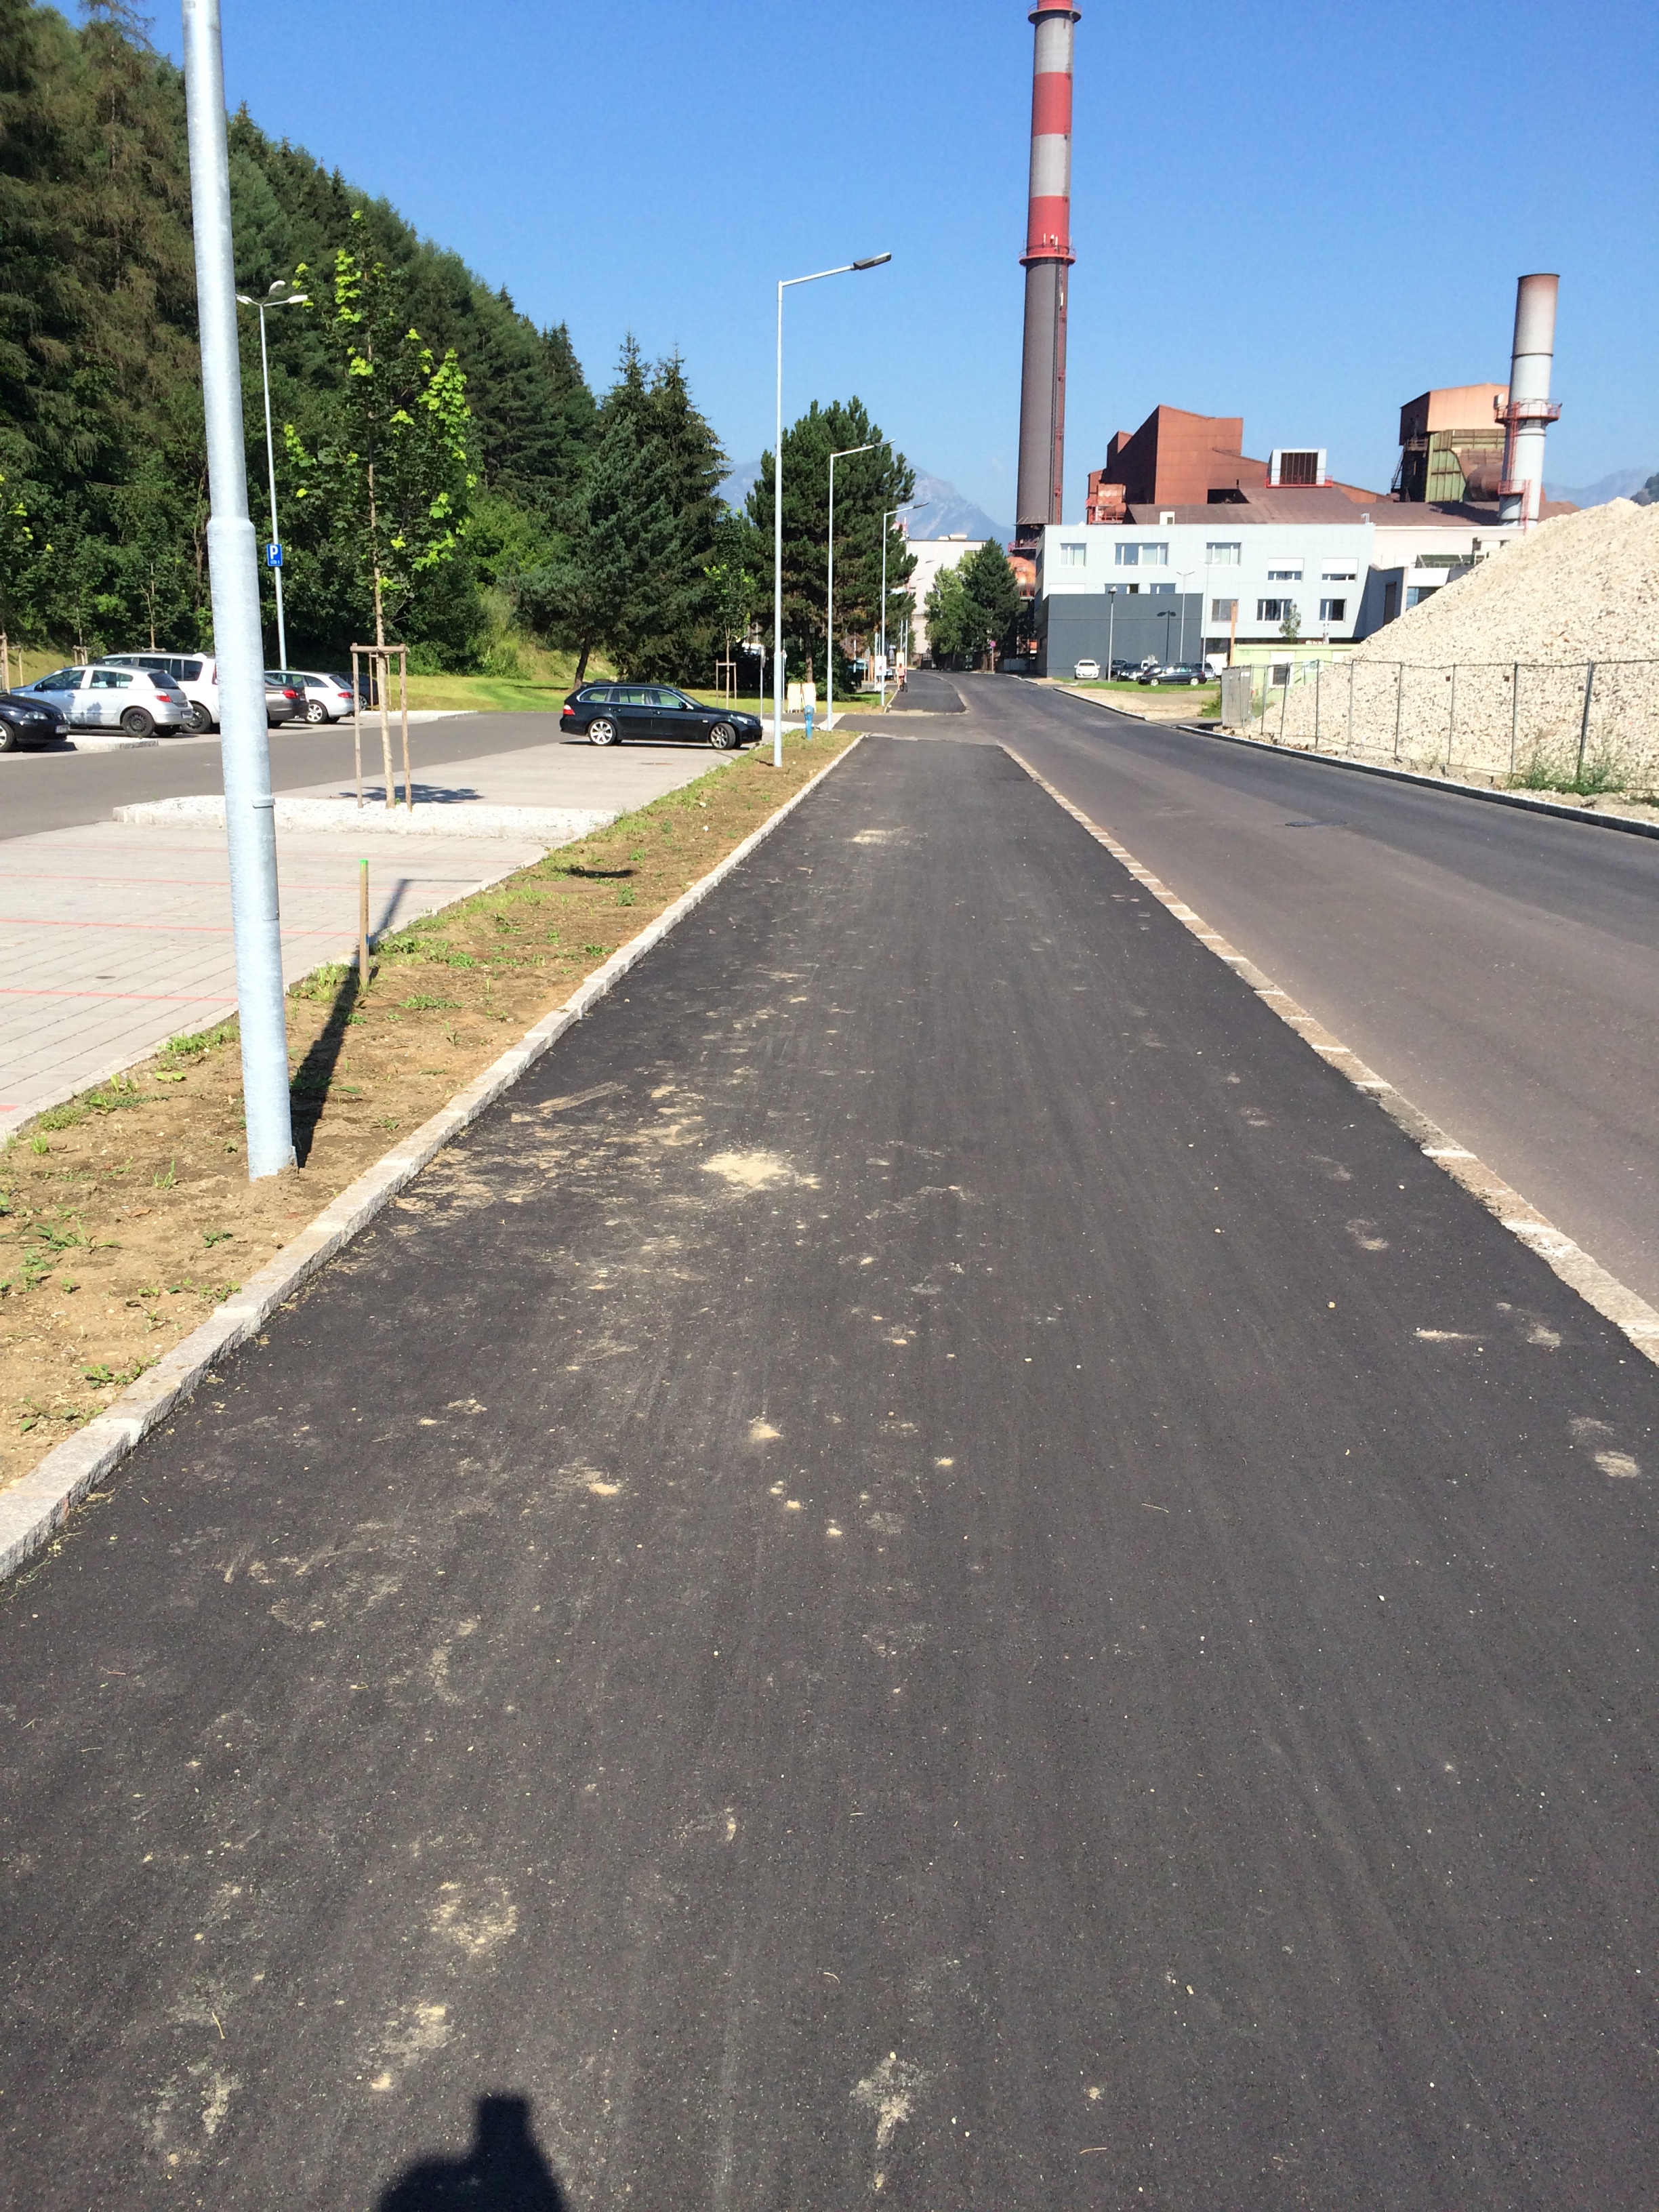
(99, 697)
(1086, 671)
(196, 674)
(323, 698)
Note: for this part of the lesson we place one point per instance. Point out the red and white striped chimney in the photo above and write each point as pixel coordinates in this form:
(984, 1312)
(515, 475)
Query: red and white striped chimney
(1047, 258)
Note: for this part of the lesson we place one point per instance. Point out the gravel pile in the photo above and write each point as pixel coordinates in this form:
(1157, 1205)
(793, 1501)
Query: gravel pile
(1581, 588)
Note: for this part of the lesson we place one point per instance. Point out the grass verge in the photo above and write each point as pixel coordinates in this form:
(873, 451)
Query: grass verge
(125, 1215)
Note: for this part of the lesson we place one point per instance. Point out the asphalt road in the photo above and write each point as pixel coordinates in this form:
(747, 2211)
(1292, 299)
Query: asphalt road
(935, 1569)
(924, 692)
(60, 790)
(1500, 968)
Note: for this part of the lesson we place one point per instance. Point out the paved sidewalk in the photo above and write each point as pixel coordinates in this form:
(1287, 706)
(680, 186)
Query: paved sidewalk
(116, 936)
(932, 1571)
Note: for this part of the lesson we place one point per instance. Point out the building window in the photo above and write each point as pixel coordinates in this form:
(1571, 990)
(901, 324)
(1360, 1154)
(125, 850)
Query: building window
(1416, 593)
(1147, 554)
(1224, 610)
(1225, 556)
(1285, 575)
(1299, 468)
(1074, 556)
(1339, 575)
(1277, 610)
(1332, 610)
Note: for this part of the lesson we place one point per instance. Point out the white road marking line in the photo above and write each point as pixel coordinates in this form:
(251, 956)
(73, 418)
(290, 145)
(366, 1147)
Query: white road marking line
(1615, 1301)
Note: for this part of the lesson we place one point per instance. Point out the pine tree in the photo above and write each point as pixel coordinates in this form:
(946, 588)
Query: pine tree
(866, 486)
(992, 594)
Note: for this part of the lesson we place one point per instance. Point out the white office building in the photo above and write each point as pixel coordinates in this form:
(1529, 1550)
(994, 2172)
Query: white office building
(1271, 574)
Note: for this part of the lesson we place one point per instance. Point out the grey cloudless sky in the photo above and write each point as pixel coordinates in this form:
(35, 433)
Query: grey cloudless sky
(1304, 213)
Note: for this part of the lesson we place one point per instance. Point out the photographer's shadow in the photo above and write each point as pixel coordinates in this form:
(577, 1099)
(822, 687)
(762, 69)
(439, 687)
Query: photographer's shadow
(503, 2171)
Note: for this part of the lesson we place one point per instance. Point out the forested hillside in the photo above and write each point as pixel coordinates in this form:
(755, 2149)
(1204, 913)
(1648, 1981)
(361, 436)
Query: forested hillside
(100, 433)
(593, 525)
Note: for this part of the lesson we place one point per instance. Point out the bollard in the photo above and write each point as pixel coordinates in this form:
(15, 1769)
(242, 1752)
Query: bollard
(809, 721)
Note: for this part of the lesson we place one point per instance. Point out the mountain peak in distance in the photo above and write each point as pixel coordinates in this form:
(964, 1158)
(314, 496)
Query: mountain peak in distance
(940, 512)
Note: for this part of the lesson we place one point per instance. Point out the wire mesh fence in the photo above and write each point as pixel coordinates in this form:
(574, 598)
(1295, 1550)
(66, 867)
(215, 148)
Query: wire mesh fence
(1583, 725)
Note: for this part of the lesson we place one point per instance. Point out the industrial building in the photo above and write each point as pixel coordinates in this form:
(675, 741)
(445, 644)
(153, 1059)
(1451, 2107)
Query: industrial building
(1178, 460)
(1193, 551)
(1215, 583)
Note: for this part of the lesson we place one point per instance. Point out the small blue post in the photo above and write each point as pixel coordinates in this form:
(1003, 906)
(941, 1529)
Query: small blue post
(809, 721)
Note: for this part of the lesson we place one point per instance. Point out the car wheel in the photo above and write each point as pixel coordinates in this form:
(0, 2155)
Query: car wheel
(722, 737)
(602, 731)
(198, 721)
(137, 722)
(315, 711)
(8, 738)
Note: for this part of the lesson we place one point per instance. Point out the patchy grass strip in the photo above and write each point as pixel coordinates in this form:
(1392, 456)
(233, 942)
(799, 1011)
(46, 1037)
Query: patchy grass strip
(125, 1214)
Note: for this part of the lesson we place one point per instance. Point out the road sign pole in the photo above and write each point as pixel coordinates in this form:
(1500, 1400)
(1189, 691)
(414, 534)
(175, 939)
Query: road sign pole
(250, 827)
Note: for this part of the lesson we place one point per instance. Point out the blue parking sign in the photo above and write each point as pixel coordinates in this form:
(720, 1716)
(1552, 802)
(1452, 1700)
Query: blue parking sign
(273, 556)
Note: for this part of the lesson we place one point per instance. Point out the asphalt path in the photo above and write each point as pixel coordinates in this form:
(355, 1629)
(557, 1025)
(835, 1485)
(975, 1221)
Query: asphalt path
(925, 693)
(1498, 967)
(935, 1569)
(61, 790)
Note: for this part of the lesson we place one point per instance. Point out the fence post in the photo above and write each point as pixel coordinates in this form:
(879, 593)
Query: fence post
(1452, 724)
(1584, 719)
(1352, 672)
(1284, 700)
(1318, 672)
(1399, 701)
(1514, 713)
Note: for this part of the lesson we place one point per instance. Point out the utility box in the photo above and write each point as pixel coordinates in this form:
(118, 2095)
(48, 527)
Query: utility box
(1235, 688)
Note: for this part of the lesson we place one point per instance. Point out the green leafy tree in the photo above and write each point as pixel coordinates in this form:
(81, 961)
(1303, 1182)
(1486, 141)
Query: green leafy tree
(951, 616)
(866, 486)
(387, 482)
(992, 596)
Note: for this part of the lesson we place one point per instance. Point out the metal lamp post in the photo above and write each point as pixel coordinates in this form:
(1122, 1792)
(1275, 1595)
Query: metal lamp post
(1168, 615)
(245, 754)
(1111, 618)
(846, 454)
(778, 670)
(288, 299)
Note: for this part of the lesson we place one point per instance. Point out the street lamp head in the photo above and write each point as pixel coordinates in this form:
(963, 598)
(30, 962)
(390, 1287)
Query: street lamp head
(874, 261)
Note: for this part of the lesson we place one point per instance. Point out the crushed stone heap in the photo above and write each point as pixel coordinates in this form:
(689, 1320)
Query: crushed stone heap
(1491, 679)
(1583, 587)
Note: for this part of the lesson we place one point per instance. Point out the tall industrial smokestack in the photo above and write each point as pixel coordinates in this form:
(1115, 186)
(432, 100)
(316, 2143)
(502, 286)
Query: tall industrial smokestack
(1530, 410)
(1047, 258)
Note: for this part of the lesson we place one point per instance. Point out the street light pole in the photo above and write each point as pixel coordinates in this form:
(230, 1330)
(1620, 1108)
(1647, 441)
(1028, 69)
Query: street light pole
(244, 753)
(778, 670)
(846, 454)
(288, 300)
(1111, 618)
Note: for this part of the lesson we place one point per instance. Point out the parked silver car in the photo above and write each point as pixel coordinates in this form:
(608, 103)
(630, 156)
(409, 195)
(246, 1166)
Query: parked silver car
(196, 674)
(322, 698)
(99, 697)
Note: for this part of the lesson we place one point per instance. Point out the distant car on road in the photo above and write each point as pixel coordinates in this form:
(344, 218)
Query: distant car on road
(29, 721)
(1177, 671)
(103, 697)
(1086, 671)
(607, 714)
(196, 674)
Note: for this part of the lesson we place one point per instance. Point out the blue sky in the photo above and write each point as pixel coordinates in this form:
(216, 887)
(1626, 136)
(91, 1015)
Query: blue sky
(1302, 213)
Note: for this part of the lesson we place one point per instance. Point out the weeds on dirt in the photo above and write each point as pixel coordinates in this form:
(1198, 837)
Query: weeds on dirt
(1599, 772)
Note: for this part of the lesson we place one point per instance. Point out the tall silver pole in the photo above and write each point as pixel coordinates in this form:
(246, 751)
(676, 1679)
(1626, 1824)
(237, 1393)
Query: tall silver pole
(233, 569)
(777, 559)
(270, 464)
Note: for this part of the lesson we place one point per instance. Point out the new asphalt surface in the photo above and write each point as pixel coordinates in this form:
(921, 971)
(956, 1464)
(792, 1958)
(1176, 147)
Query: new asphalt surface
(935, 1570)
(1500, 967)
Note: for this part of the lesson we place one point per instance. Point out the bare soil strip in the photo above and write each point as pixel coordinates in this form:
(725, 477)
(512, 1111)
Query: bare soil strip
(126, 1216)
